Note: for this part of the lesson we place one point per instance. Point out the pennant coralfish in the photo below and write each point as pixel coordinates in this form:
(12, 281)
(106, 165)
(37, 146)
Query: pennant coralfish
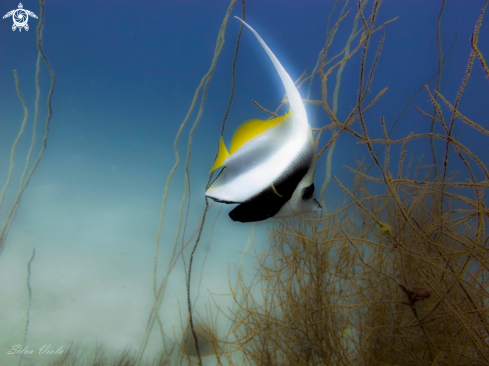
(269, 168)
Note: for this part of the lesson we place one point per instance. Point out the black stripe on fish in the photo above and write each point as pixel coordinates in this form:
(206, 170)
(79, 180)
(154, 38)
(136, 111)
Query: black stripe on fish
(267, 203)
(246, 160)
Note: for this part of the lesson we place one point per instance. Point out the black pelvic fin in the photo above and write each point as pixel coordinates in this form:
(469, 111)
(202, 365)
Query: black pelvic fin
(259, 208)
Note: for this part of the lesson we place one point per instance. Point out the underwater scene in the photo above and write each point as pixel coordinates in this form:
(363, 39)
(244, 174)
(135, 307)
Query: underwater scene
(244, 182)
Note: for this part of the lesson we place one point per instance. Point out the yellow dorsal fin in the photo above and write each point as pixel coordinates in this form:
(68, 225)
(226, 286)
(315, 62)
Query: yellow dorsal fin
(221, 155)
(252, 128)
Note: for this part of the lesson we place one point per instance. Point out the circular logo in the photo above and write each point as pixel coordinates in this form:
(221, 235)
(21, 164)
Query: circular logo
(20, 18)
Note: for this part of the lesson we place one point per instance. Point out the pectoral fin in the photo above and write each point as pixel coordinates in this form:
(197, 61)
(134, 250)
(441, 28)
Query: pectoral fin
(275, 191)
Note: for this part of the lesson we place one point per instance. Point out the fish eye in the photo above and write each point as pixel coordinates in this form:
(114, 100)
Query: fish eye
(307, 192)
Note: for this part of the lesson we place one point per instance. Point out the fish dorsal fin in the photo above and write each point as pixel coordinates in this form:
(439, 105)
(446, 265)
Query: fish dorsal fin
(250, 129)
(295, 100)
(222, 155)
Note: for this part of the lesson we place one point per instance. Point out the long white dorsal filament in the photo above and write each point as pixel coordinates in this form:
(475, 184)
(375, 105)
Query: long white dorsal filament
(293, 95)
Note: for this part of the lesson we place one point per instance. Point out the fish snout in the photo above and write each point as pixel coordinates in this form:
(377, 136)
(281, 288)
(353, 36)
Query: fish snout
(311, 206)
(319, 208)
(314, 206)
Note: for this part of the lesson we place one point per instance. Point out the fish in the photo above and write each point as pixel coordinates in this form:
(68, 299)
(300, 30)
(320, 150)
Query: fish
(269, 167)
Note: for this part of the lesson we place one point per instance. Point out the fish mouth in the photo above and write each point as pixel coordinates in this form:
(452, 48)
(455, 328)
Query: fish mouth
(319, 208)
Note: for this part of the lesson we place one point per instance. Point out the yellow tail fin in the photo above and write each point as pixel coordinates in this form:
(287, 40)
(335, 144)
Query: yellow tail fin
(221, 156)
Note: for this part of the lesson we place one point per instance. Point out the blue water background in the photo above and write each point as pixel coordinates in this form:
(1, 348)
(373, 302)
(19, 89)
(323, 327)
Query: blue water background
(126, 73)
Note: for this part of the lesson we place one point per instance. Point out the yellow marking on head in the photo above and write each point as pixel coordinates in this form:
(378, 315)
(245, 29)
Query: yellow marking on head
(252, 128)
(221, 155)
(275, 191)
